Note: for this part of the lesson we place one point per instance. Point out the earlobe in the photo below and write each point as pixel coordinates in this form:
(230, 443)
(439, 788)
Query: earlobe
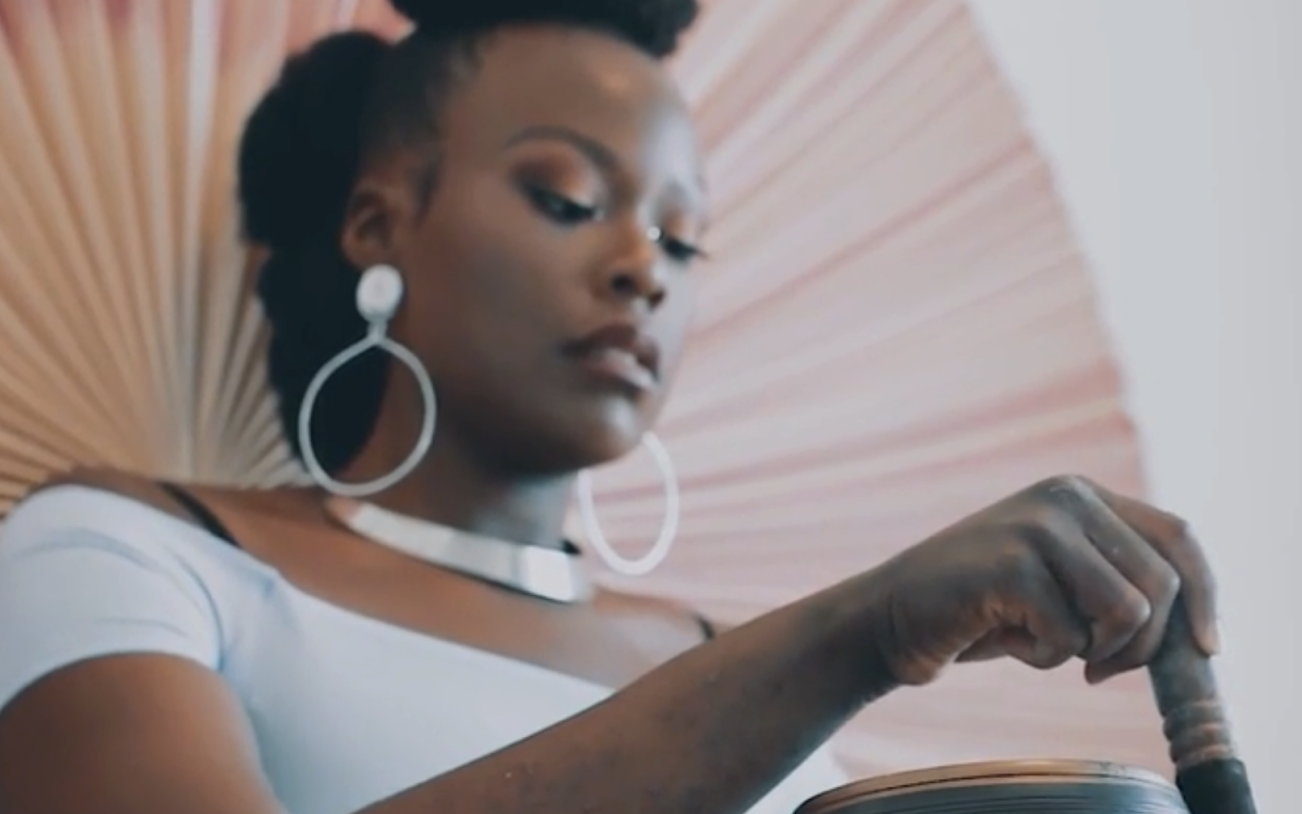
(255, 257)
(371, 221)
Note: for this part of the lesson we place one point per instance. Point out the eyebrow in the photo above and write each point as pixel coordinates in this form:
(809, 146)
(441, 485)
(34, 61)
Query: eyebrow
(594, 150)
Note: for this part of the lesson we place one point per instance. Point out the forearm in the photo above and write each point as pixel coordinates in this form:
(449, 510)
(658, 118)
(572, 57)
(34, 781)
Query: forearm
(710, 732)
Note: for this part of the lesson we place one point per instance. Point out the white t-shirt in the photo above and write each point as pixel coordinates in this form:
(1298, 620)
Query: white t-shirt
(347, 709)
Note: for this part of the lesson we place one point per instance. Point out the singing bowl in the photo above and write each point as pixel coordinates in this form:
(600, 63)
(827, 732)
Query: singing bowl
(1007, 787)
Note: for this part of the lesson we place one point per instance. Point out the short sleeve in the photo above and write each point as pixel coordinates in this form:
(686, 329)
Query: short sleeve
(86, 574)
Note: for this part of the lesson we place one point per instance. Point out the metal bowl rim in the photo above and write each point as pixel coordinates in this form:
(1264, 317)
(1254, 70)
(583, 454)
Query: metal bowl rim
(997, 771)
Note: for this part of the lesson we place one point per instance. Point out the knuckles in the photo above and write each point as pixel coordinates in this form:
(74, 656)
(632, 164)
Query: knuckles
(1042, 510)
(1130, 613)
(1166, 584)
(1063, 492)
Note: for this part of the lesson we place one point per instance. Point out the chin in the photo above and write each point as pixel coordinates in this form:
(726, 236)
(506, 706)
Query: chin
(558, 447)
(597, 445)
(565, 435)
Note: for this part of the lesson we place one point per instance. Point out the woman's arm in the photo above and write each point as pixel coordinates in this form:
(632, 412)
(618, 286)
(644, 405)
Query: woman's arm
(712, 731)
(1061, 570)
(147, 733)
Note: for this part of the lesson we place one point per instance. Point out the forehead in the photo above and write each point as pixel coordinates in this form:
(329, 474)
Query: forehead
(553, 76)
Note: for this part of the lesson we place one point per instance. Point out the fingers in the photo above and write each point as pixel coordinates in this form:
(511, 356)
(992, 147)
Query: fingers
(1039, 628)
(1077, 571)
(1170, 536)
(1140, 563)
(1117, 610)
(1051, 634)
(1153, 552)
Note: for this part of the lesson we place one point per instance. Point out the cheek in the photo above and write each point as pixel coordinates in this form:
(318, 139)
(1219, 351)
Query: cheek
(467, 270)
(484, 300)
(493, 256)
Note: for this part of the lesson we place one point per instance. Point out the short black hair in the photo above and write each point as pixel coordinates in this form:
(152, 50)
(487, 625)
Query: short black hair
(346, 97)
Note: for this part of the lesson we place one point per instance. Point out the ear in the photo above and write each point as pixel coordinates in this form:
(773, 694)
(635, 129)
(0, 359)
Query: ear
(255, 256)
(377, 210)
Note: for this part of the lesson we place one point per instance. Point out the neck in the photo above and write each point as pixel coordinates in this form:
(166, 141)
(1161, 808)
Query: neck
(456, 488)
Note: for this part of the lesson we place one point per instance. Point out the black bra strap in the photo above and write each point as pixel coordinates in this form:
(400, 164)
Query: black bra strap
(707, 627)
(201, 513)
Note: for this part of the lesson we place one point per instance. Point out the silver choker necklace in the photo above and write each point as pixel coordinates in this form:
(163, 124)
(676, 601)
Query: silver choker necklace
(547, 573)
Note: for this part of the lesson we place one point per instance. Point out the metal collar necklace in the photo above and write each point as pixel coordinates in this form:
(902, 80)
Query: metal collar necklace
(548, 573)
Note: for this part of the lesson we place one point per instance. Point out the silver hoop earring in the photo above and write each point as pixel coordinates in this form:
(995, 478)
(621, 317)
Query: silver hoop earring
(668, 528)
(379, 292)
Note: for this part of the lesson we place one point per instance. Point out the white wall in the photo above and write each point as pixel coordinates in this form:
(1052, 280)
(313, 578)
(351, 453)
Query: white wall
(1176, 128)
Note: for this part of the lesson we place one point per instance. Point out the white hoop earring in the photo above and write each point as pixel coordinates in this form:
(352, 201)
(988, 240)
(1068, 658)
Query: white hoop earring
(379, 292)
(668, 529)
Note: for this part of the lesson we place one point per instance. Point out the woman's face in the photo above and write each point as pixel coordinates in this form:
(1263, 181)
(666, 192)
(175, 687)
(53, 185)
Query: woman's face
(550, 280)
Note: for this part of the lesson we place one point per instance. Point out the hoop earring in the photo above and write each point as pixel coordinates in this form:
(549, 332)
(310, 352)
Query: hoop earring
(379, 292)
(668, 529)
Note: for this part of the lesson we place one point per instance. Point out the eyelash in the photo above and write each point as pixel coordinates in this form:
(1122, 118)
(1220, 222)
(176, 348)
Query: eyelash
(559, 208)
(681, 251)
(566, 212)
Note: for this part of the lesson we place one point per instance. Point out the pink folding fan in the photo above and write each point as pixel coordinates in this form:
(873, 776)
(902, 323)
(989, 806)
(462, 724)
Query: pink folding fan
(899, 325)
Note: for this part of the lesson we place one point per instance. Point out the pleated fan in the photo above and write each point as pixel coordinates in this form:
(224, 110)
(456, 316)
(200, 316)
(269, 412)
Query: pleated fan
(898, 328)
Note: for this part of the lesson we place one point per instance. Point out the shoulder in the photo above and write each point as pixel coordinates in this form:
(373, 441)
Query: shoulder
(99, 496)
(98, 564)
(118, 618)
(112, 500)
(94, 525)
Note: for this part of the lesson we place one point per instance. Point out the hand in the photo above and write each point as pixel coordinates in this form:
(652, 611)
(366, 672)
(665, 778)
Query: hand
(1061, 570)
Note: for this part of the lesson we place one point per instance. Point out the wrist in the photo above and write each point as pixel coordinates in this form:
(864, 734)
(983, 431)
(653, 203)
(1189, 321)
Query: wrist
(853, 621)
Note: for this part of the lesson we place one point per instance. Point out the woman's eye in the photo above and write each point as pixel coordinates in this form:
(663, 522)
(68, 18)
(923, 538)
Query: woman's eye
(679, 250)
(559, 208)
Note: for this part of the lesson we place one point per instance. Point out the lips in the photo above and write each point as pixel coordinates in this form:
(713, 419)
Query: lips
(621, 353)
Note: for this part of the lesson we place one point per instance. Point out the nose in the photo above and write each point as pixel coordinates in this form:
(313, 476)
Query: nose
(636, 273)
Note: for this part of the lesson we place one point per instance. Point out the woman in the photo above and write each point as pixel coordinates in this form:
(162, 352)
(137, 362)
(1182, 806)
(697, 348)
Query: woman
(514, 196)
